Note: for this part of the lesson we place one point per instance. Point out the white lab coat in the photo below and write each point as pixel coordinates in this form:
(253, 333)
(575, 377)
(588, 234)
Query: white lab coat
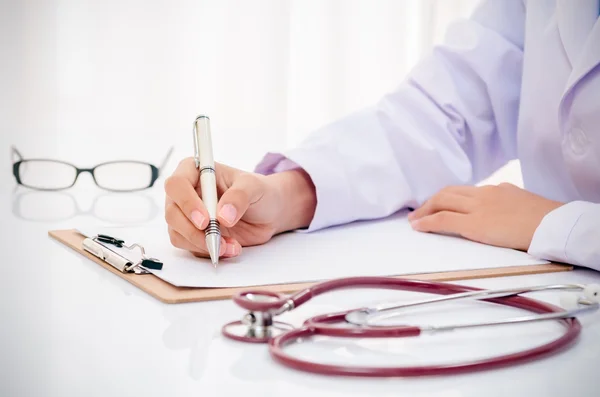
(519, 79)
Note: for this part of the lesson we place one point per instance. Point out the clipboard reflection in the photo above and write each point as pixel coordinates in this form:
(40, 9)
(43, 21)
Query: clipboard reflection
(42, 206)
(187, 330)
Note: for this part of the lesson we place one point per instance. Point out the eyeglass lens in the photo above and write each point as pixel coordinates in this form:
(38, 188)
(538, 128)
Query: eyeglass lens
(47, 174)
(123, 175)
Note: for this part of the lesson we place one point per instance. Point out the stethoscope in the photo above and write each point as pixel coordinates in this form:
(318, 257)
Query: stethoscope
(258, 325)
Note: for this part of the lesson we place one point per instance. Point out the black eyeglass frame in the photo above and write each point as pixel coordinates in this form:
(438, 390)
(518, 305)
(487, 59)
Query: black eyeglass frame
(155, 171)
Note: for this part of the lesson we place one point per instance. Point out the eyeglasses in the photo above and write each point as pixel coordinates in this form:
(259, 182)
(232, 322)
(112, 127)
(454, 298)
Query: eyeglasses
(115, 176)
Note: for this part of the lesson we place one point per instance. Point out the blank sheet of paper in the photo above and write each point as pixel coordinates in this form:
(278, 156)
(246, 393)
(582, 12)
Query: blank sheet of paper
(387, 247)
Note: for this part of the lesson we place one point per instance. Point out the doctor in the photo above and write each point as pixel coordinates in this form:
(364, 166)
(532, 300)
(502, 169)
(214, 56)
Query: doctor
(518, 80)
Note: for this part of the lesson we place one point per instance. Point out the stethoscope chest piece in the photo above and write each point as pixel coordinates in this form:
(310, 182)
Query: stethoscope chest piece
(255, 327)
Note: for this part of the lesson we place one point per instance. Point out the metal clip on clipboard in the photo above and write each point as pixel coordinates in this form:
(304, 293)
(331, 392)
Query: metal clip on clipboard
(96, 247)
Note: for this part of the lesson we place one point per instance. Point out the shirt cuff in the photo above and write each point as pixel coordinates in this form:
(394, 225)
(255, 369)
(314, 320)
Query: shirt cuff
(273, 163)
(329, 181)
(565, 235)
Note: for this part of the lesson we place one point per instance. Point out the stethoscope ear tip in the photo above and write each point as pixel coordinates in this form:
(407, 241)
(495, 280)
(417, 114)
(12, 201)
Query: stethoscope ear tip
(592, 292)
(590, 296)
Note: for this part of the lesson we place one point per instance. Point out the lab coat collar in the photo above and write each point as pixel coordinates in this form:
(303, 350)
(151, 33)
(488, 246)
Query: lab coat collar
(579, 28)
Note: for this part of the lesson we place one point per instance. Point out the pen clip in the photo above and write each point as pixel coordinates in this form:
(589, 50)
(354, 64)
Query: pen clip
(196, 143)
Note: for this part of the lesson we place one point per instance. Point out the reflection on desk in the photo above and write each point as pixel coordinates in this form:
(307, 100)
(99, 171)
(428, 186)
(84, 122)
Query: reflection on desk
(119, 208)
(195, 331)
(192, 327)
(113, 330)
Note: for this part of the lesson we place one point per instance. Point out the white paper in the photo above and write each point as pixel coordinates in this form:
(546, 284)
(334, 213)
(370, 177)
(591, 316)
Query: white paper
(387, 247)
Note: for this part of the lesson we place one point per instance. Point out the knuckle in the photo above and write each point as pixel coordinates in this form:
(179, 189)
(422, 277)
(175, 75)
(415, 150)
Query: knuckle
(224, 174)
(478, 202)
(196, 237)
(427, 222)
(436, 200)
(187, 162)
(485, 191)
(241, 195)
(439, 218)
(219, 167)
(247, 179)
(172, 184)
(175, 238)
(245, 182)
(169, 212)
(188, 205)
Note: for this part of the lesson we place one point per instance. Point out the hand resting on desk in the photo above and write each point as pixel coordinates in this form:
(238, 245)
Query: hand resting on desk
(504, 215)
(252, 207)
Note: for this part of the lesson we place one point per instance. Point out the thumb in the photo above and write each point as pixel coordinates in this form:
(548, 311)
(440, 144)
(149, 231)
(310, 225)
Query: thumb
(245, 191)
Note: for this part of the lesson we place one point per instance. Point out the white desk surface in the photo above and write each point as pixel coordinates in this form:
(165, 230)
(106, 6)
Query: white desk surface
(70, 328)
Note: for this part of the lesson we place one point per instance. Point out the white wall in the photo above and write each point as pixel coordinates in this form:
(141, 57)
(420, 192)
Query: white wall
(88, 81)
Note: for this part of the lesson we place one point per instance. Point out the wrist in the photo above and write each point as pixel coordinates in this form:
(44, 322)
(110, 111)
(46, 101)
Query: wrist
(297, 195)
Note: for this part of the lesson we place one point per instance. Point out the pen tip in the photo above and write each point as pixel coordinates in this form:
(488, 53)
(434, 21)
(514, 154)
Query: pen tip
(213, 244)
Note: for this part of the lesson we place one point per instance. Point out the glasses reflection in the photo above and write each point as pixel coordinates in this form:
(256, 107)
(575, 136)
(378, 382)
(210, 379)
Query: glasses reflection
(121, 208)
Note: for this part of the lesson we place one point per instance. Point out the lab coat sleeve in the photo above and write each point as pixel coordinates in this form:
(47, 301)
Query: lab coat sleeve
(453, 120)
(570, 234)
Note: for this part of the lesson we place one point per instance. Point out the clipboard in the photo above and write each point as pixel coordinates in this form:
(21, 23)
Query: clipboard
(168, 293)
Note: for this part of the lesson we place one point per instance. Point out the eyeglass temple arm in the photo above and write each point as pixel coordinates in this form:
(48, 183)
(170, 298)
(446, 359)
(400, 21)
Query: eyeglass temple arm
(15, 153)
(164, 162)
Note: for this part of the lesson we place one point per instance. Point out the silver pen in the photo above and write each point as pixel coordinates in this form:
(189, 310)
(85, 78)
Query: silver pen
(208, 184)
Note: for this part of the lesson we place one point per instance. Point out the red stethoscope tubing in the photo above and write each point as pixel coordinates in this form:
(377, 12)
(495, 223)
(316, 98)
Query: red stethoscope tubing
(324, 325)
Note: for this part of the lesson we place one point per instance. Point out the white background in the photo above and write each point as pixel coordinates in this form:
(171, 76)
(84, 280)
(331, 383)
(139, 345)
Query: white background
(90, 81)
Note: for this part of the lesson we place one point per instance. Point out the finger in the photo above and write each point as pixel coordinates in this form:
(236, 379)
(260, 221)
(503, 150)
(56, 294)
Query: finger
(178, 241)
(181, 189)
(233, 248)
(229, 247)
(179, 223)
(245, 191)
(462, 190)
(446, 222)
(443, 202)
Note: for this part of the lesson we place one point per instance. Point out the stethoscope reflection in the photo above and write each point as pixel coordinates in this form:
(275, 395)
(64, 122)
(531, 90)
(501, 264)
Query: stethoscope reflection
(189, 331)
(117, 208)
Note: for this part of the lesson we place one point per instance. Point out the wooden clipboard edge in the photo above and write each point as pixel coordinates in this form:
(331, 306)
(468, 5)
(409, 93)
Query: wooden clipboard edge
(168, 293)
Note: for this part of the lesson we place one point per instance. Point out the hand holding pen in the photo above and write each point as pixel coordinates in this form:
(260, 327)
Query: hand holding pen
(251, 208)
